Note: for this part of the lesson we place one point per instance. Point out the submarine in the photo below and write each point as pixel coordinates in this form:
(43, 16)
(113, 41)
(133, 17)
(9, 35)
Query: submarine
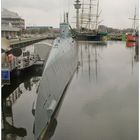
(58, 72)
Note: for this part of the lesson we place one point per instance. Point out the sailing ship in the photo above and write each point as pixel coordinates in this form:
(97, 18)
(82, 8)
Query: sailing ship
(131, 37)
(58, 71)
(87, 21)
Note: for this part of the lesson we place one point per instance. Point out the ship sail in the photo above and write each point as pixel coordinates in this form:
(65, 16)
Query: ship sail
(89, 15)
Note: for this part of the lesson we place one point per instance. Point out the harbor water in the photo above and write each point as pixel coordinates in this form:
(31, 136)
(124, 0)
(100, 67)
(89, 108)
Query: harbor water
(101, 102)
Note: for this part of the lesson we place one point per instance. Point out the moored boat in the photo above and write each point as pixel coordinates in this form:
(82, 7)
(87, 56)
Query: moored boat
(88, 30)
(131, 37)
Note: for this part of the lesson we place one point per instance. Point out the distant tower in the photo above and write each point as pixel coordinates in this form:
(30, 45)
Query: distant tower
(77, 7)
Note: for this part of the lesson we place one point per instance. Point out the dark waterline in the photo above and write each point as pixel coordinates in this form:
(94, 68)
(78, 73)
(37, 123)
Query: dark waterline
(101, 102)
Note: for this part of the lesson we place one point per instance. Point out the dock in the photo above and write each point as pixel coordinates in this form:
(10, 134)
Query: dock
(23, 42)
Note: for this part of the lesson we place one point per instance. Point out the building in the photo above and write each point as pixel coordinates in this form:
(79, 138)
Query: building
(47, 30)
(38, 29)
(10, 32)
(13, 18)
(12, 24)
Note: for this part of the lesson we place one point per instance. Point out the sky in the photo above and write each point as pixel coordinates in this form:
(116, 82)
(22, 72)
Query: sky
(115, 13)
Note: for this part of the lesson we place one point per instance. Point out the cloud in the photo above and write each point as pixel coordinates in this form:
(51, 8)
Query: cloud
(49, 12)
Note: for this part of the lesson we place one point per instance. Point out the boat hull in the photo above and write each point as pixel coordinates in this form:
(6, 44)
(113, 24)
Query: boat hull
(58, 71)
(89, 37)
(131, 38)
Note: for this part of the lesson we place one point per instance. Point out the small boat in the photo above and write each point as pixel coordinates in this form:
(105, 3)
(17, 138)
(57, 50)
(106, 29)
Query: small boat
(131, 37)
(58, 71)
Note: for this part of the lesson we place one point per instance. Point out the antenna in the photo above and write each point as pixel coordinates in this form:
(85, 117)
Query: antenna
(64, 18)
(67, 17)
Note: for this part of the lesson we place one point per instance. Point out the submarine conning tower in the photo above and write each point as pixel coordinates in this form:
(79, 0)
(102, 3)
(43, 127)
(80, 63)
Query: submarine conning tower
(64, 30)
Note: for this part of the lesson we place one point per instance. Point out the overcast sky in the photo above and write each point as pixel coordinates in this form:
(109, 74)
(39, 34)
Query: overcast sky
(115, 13)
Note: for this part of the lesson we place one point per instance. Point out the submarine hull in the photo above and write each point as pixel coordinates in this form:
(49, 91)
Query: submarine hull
(59, 69)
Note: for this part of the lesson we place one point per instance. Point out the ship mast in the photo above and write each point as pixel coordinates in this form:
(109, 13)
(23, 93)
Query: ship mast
(82, 13)
(89, 18)
(97, 17)
(134, 19)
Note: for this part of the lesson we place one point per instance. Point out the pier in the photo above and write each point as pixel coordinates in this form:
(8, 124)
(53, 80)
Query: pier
(23, 42)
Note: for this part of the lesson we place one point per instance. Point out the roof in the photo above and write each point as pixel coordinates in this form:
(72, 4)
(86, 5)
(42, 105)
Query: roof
(8, 14)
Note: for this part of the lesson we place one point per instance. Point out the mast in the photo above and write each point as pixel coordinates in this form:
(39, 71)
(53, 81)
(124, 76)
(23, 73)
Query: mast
(134, 21)
(89, 18)
(97, 16)
(82, 13)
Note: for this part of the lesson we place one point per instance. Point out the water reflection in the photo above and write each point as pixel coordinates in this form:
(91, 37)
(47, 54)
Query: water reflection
(27, 85)
(91, 52)
(9, 130)
(137, 50)
(136, 46)
(101, 102)
(134, 51)
(14, 99)
(130, 44)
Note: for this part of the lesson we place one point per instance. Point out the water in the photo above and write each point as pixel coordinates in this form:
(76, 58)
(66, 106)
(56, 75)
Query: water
(18, 119)
(101, 102)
